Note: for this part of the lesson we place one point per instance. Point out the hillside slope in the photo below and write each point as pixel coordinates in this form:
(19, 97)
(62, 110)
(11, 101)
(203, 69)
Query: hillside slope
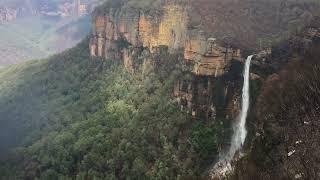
(73, 116)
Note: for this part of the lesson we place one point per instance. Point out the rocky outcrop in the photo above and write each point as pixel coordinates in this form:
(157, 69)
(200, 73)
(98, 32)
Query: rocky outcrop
(208, 58)
(138, 29)
(209, 97)
(124, 28)
(208, 44)
(124, 33)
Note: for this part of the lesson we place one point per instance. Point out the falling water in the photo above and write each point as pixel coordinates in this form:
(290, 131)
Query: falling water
(239, 129)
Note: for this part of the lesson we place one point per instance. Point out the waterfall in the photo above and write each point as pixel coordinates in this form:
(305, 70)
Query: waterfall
(239, 129)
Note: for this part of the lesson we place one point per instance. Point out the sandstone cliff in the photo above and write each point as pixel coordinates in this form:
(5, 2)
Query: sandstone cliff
(209, 35)
(127, 33)
(168, 26)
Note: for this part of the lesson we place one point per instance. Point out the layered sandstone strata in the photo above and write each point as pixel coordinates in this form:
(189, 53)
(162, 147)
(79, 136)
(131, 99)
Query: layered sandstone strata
(127, 28)
(125, 33)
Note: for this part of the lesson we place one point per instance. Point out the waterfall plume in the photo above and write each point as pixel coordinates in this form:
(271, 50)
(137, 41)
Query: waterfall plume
(239, 128)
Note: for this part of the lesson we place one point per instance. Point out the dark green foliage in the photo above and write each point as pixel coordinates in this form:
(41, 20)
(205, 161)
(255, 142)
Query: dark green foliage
(122, 43)
(205, 140)
(76, 117)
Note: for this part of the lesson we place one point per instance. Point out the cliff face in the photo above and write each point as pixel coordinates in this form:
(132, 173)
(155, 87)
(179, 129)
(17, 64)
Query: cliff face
(247, 24)
(139, 29)
(168, 27)
(128, 33)
(119, 32)
(207, 34)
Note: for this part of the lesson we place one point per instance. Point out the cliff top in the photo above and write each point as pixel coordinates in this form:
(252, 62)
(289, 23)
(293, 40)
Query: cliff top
(249, 24)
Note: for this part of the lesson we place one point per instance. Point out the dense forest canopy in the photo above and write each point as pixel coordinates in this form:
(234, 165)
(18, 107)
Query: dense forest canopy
(73, 116)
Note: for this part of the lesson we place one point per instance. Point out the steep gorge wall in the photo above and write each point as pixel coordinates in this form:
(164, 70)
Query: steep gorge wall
(124, 33)
(115, 28)
(139, 29)
(205, 32)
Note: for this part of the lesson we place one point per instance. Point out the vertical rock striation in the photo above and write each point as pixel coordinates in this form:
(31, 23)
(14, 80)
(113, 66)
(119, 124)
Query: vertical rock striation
(122, 32)
(122, 28)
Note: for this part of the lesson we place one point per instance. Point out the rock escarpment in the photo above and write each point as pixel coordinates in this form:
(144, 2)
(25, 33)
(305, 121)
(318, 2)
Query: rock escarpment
(118, 27)
(126, 33)
(208, 33)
